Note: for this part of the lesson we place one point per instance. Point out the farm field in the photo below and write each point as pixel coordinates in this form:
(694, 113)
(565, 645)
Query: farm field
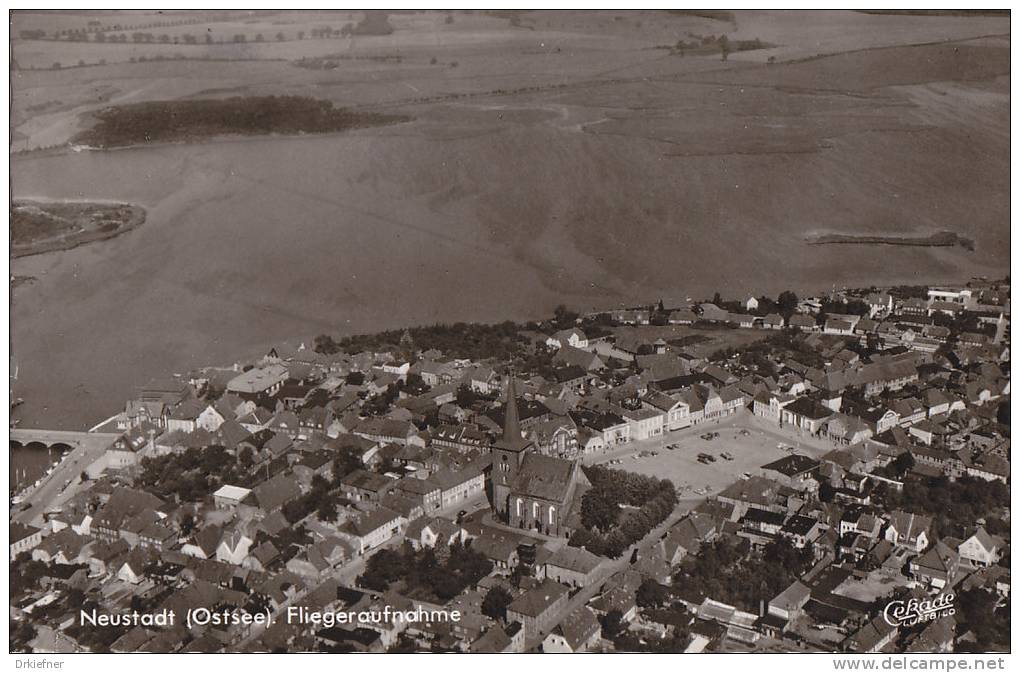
(572, 153)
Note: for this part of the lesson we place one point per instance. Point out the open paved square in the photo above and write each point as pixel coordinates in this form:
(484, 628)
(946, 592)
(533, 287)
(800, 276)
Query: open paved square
(751, 441)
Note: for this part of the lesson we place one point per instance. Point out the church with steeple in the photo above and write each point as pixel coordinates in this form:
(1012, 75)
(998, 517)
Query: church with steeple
(531, 490)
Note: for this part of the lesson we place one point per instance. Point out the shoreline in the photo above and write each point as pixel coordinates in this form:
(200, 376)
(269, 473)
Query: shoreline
(76, 239)
(242, 354)
(939, 239)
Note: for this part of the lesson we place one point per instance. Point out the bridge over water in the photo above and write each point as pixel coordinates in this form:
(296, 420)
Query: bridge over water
(50, 438)
(83, 448)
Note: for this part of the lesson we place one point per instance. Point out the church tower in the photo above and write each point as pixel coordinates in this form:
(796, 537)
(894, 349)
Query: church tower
(507, 453)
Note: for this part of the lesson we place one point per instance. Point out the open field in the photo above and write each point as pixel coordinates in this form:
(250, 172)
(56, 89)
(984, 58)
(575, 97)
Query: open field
(868, 70)
(569, 153)
(750, 441)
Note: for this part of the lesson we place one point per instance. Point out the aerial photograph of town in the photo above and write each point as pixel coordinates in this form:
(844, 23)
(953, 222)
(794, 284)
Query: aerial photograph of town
(509, 331)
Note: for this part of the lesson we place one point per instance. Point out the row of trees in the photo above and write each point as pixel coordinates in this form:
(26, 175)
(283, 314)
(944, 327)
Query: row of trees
(115, 35)
(953, 505)
(785, 304)
(154, 58)
(475, 341)
(608, 528)
(95, 26)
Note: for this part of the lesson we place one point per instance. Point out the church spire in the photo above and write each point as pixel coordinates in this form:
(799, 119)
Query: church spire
(512, 420)
(511, 440)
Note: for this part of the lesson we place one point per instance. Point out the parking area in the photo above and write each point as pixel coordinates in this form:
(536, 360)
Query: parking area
(748, 441)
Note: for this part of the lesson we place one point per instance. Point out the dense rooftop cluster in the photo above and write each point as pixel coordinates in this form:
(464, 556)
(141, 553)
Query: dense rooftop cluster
(383, 470)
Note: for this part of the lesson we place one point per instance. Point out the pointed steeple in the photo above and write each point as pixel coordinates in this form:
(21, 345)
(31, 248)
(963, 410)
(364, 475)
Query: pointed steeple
(511, 439)
(512, 420)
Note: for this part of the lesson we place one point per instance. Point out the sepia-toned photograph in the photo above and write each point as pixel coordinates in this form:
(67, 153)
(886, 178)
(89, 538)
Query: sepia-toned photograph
(510, 331)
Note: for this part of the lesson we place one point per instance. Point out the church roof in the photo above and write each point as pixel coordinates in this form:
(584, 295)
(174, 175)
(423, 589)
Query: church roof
(544, 477)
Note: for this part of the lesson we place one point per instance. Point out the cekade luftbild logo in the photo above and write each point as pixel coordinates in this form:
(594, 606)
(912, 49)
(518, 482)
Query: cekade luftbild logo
(908, 613)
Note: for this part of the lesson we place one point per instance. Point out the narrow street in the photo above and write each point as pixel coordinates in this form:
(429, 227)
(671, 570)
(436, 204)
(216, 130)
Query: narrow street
(52, 492)
(612, 567)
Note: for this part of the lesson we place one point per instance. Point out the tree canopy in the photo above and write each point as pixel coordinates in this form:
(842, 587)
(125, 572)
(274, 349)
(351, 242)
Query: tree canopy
(495, 603)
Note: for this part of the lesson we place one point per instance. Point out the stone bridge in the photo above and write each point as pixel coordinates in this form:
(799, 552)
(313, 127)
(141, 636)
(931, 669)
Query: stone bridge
(84, 449)
(51, 438)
